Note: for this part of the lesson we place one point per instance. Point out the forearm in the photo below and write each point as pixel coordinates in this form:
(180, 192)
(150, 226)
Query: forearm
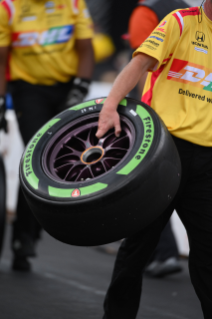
(141, 83)
(81, 82)
(86, 59)
(123, 84)
(128, 79)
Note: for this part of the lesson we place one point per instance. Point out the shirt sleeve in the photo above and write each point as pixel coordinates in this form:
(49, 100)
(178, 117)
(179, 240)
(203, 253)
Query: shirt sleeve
(162, 41)
(142, 22)
(84, 23)
(5, 32)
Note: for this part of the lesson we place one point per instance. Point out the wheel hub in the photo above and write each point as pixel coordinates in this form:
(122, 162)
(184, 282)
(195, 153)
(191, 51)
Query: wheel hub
(92, 155)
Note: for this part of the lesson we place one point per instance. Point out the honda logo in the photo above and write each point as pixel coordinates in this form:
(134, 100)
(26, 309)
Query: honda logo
(200, 36)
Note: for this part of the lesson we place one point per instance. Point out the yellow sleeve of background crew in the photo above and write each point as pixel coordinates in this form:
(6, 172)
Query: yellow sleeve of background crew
(5, 32)
(84, 23)
(162, 41)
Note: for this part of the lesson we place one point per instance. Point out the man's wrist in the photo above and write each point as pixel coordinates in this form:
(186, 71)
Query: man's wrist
(111, 103)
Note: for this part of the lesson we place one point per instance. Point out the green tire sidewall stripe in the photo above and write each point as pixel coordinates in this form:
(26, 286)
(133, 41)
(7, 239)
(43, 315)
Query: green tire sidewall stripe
(92, 103)
(27, 162)
(82, 105)
(87, 190)
(146, 143)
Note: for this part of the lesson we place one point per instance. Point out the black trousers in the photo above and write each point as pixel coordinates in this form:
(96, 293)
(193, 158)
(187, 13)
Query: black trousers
(167, 246)
(193, 203)
(34, 106)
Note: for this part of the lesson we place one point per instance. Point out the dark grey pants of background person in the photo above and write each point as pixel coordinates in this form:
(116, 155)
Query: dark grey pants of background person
(34, 106)
(193, 203)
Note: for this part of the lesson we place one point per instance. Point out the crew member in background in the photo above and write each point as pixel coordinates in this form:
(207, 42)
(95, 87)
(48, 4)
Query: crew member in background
(48, 47)
(143, 20)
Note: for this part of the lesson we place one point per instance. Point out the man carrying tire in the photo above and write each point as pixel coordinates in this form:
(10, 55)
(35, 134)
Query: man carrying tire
(50, 61)
(146, 16)
(177, 55)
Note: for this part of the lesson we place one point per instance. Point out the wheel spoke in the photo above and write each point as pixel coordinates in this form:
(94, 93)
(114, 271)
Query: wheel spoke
(77, 167)
(91, 172)
(77, 144)
(84, 174)
(108, 139)
(115, 148)
(80, 139)
(122, 140)
(97, 169)
(74, 151)
(112, 158)
(63, 166)
(103, 164)
(89, 136)
(92, 139)
(110, 162)
(68, 157)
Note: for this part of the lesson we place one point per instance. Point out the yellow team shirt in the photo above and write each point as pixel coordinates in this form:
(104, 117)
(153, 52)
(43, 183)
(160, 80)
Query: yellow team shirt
(42, 35)
(180, 87)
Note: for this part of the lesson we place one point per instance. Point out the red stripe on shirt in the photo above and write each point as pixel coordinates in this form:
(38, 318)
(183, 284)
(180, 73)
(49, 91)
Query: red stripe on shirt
(165, 60)
(190, 12)
(147, 97)
(169, 58)
(179, 22)
(76, 2)
(7, 8)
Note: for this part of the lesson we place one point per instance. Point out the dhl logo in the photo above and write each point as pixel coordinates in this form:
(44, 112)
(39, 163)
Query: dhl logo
(55, 35)
(161, 30)
(191, 73)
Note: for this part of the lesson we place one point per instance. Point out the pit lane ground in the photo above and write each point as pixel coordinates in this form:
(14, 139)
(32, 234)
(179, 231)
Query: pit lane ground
(69, 282)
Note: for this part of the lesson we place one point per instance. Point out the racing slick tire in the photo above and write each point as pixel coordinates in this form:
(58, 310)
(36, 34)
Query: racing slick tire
(88, 192)
(2, 202)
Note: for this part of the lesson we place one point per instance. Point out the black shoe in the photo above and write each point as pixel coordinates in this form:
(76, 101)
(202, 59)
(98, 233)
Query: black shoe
(23, 247)
(159, 269)
(21, 264)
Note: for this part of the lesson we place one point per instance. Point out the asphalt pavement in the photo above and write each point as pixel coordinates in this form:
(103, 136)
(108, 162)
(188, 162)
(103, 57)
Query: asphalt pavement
(69, 282)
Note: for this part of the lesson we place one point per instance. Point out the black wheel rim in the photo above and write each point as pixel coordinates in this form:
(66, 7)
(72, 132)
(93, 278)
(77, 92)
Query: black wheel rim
(75, 154)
